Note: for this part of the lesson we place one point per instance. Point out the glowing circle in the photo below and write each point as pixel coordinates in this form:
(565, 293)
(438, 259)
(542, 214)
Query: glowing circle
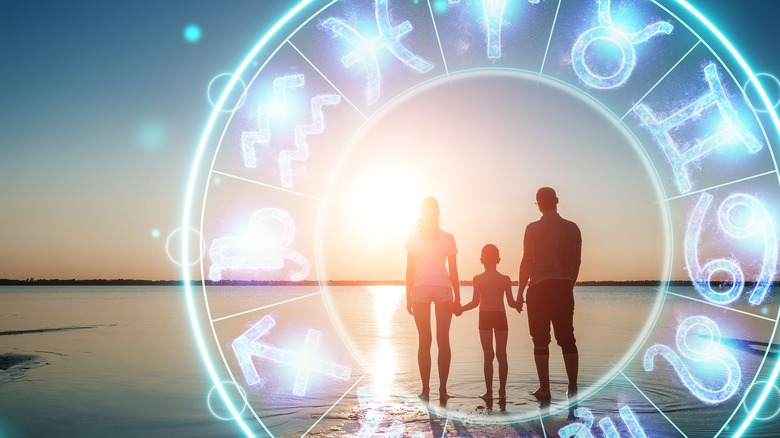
(176, 235)
(774, 399)
(232, 394)
(223, 82)
(608, 35)
(770, 83)
(192, 33)
(736, 218)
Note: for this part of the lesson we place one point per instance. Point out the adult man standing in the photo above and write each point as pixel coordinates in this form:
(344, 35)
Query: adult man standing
(552, 248)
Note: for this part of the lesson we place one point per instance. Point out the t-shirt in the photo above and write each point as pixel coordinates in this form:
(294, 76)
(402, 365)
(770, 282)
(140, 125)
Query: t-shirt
(430, 259)
(555, 244)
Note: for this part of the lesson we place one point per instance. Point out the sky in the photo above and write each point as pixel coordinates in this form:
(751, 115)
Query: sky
(103, 106)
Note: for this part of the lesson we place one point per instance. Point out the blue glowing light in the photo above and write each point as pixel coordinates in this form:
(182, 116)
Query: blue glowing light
(248, 346)
(680, 156)
(760, 223)
(211, 395)
(155, 233)
(578, 430)
(609, 33)
(709, 355)
(192, 33)
(607, 426)
(264, 248)
(301, 153)
(754, 82)
(701, 275)
(219, 79)
(264, 113)
(493, 11)
(178, 233)
(365, 51)
(152, 135)
(757, 222)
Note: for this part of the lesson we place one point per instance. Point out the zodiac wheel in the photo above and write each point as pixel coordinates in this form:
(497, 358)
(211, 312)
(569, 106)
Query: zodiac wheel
(286, 139)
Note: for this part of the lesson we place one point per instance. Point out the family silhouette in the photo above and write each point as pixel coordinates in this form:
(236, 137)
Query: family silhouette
(552, 248)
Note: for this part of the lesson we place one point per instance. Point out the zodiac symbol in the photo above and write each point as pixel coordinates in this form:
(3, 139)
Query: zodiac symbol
(607, 32)
(680, 157)
(758, 222)
(259, 249)
(365, 51)
(582, 430)
(264, 113)
(248, 345)
(375, 415)
(493, 14)
(301, 152)
(711, 353)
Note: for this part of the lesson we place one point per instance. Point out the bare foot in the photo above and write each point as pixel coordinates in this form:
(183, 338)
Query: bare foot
(542, 395)
(502, 396)
(443, 397)
(572, 391)
(488, 397)
(424, 396)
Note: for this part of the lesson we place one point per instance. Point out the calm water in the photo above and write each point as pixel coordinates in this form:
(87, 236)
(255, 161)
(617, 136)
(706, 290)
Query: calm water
(120, 361)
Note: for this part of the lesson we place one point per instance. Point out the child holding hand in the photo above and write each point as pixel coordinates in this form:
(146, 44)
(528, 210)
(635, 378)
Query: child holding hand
(490, 288)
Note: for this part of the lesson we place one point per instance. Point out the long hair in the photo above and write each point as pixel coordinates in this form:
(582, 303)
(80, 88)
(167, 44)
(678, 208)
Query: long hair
(428, 225)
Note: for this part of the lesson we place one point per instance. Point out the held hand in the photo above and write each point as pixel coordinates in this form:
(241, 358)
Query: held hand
(457, 310)
(519, 306)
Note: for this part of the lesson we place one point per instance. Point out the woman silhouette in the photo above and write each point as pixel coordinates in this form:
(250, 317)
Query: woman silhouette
(430, 252)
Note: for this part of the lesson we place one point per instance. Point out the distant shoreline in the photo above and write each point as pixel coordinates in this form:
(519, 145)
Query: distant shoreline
(129, 282)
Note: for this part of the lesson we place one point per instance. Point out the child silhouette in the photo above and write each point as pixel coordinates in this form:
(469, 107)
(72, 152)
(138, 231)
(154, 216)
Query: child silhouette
(490, 287)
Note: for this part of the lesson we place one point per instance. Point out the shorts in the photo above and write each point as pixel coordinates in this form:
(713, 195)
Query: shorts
(551, 302)
(431, 294)
(493, 321)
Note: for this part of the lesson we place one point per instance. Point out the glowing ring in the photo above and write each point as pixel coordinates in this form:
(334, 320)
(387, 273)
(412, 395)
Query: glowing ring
(766, 384)
(218, 108)
(168, 246)
(628, 57)
(755, 80)
(229, 87)
(240, 392)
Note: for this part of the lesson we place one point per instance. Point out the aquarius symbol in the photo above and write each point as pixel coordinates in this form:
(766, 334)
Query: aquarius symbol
(365, 51)
(607, 32)
(679, 157)
(248, 345)
(710, 354)
(264, 113)
(758, 222)
(259, 249)
(301, 152)
(582, 430)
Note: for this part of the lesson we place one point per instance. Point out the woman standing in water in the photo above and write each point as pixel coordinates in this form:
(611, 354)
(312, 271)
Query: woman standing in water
(430, 252)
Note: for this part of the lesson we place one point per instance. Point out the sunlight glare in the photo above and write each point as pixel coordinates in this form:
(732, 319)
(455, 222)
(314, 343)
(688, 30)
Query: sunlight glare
(386, 203)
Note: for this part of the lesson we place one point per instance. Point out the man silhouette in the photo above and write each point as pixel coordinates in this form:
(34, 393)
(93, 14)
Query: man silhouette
(552, 248)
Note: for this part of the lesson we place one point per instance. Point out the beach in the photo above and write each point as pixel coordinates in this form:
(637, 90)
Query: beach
(121, 361)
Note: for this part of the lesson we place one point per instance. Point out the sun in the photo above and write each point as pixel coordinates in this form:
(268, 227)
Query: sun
(385, 203)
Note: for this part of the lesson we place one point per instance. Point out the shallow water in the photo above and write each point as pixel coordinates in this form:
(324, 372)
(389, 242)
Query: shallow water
(121, 361)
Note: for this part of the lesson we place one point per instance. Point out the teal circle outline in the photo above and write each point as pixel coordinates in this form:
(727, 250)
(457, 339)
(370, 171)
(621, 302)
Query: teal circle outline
(193, 177)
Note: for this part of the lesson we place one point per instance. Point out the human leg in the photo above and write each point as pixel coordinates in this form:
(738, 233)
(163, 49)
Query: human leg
(503, 364)
(563, 325)
(539, 328)
(422, 319)
(486, 338)
(443, 320)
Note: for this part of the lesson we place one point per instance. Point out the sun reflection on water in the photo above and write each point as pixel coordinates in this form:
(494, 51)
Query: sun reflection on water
(386, 300)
